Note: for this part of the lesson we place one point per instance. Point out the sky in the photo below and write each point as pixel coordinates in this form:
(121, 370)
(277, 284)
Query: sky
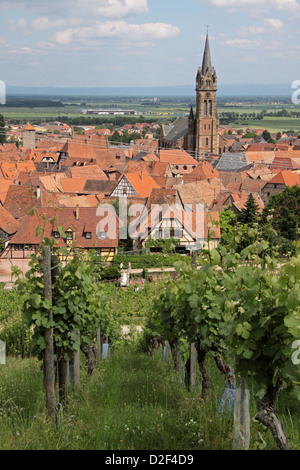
(128, 43)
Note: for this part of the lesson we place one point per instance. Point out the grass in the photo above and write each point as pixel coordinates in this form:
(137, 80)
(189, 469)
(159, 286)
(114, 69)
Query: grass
(132, 402)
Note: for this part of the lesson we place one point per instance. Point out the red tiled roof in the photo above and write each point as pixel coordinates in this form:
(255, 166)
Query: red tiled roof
(88, 172)
(177, 157)
(73, 185)
(28, 127)
(284, 163)
(203, 171)
(286, 177)
(7, 222)
(99, 221)
(20, 200)
(142, 182)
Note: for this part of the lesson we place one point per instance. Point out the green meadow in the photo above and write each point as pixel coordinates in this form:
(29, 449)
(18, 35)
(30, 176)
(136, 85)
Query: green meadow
(131, 402)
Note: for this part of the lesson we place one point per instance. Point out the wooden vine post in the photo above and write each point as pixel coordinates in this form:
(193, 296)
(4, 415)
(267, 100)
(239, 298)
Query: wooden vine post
(193, 358)
(99, 344)
(49, 350)
(241, 434)
(74, 370)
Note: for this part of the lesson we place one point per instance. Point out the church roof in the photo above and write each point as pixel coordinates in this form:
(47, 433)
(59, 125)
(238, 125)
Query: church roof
(206, 62)
(178, 130)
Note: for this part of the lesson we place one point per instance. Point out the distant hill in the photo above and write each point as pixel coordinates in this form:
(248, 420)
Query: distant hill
(184, 90)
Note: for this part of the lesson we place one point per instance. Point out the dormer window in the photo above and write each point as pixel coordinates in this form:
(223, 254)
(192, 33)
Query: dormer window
(69, 234)
(56, 234)
(88, 235)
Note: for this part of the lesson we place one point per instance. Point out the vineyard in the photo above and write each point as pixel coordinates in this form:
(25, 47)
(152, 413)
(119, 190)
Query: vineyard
(180, 355)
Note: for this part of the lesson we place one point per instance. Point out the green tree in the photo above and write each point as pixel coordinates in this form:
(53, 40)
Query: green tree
(227, 225)
(285, 208)
(250, 214)
(267, 136)
(2, 130)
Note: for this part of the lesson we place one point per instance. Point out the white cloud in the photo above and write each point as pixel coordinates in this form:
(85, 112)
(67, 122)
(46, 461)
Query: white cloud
(40, 24)
(242, 43)
(270, 26)
(117, 8)
(286, 5)
(252, 44)
(118, 29)
(81, 8)
(43, 23)
(20, 24)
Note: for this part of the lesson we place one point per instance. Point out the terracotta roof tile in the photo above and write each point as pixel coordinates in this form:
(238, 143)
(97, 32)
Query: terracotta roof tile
(142, 182)
(88, 172)
(73, 185)
(286, 177)
(28, 127)
(20, 200)
(177, 157)
(7, 222)
(75, 218)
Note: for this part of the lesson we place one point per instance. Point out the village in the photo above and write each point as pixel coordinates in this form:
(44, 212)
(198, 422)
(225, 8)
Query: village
(76, 173)
(188, 167)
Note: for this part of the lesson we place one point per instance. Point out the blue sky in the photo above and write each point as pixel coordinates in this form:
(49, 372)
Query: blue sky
(90, 43)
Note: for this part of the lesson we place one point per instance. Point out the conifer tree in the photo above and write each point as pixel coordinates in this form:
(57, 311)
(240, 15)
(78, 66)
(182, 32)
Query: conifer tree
(2, 130)
(250, 214)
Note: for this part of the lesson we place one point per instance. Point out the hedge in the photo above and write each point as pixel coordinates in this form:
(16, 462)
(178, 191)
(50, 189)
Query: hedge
(148, 261)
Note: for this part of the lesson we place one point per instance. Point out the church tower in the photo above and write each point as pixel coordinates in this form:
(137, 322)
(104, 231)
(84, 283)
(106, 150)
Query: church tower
(206, 116)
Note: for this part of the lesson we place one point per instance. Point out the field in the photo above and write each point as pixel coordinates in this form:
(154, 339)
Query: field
(166, 109)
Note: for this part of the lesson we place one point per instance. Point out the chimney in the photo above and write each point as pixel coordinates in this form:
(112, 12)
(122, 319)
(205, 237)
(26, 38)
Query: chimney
(77, 213)
(38, 192)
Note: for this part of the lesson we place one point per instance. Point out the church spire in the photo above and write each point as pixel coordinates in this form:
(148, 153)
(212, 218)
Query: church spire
(206, 62)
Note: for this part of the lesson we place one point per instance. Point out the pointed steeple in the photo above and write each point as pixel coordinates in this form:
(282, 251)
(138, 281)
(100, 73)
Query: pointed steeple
(206, 62)
(191, 115)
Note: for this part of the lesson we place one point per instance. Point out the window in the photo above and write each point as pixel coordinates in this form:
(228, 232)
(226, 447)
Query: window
(88, 235)
(69, 234)
(18, 247)
(206, 141)
(56, 234)
(103, 235)
(178, 233)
